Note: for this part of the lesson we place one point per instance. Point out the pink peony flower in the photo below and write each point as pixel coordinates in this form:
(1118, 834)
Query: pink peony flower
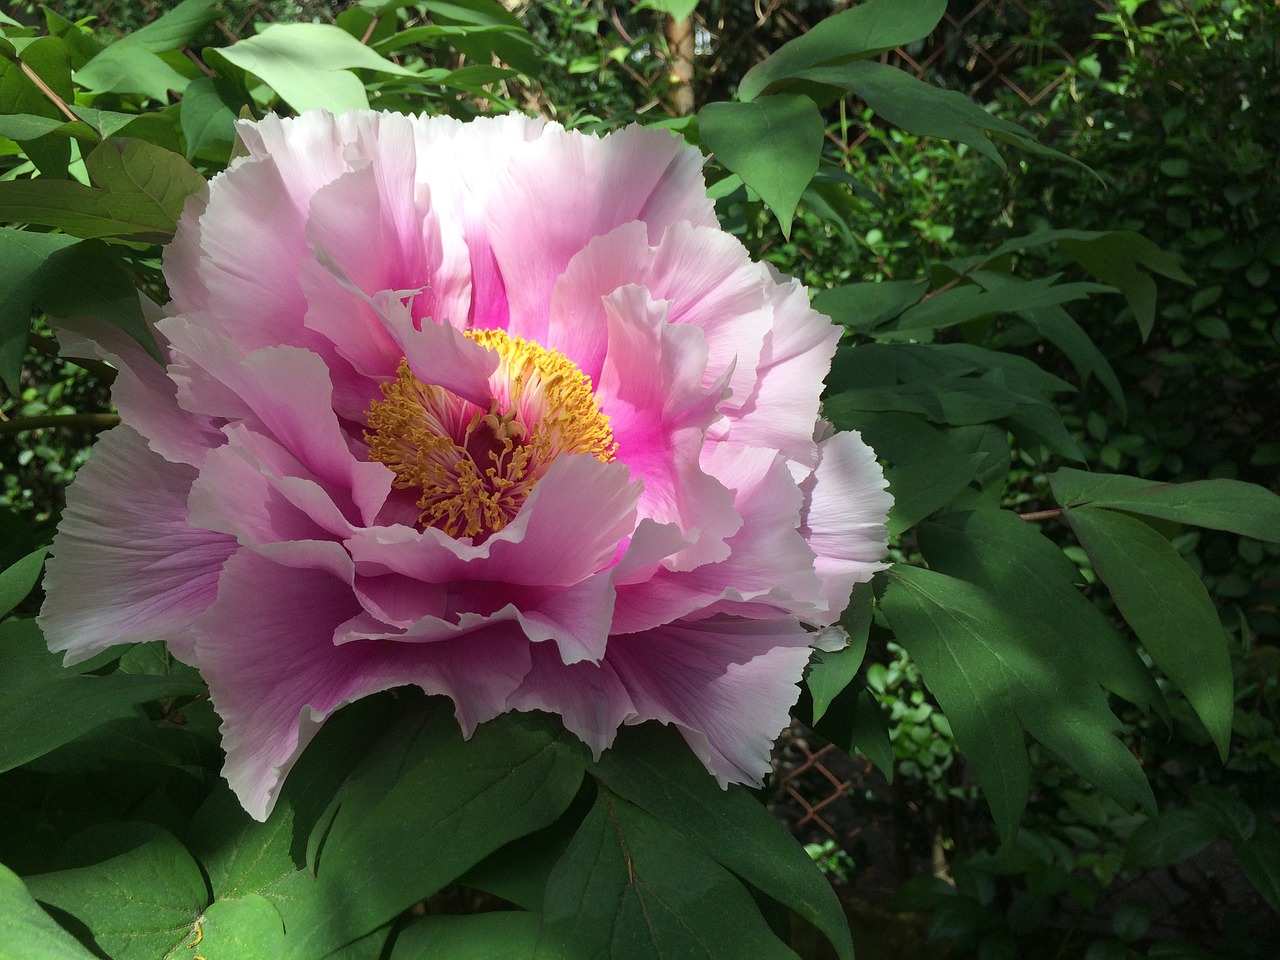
(495, 409)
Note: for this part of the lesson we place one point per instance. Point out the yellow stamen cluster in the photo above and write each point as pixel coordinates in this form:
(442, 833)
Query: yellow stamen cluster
(475, 466)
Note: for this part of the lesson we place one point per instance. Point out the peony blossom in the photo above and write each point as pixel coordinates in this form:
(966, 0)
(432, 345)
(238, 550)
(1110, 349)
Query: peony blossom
(491, 408)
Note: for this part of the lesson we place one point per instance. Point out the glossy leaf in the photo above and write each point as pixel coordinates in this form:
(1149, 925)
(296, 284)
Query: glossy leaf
(309, 65)
(248, 928)
(403, 830)
(986, 664)
(131, 64)
(206, 117)
(17, 580)
(140, 903)
(22, 258)
(1232, 505)
(652, 768)
(773, 144)
(507, 934)
(26, 931)
(964, 303)
(44, 705)
(1168, 608)
(863, 31)
(923, 109)
(47, 57)
(1009, 558)
(1060, 329)
(631, 888)
(863, 306)
(831, 671)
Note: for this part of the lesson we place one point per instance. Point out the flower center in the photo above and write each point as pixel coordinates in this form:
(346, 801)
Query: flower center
(475, 466)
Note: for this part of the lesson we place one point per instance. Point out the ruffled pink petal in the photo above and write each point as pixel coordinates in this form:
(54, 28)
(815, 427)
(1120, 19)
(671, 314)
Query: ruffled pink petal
(588, 697)
(769, 563)
(728, 685)
(780, 410)
(705, 274)
(126, 566)
(144, 395)
(284, 393)
(274, 696)
(846, 506)
(569, 188)
(650, 388)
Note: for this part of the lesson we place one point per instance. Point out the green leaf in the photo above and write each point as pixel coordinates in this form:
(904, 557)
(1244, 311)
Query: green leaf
(89, 280)
(508, 934)
(17, 580)
(44, 705)
(515, 46)
(26, 931)
(629, 886)
(249, 928)
(48, 58)
(1168, 608)
(863, 306)
(987, 665)
(404, 830)
(961, 304)
(1235, 818)
(22, 258)
(1060, 329)
(1009, 558)
(131, 64)
(928, 111)
(1260, 859)
(651, 767)
(140, 191)
(309, 65)
(140, 903)
(1231, 505)
(855, 722)
(1115, 257)
(868, 29)
(1170, 838)
(676, 9)
(207, 119)
(922, 486)
(831, 672)
(773, 144)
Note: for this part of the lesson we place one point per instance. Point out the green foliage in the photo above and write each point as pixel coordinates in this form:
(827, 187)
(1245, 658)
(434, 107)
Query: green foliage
(981, 353)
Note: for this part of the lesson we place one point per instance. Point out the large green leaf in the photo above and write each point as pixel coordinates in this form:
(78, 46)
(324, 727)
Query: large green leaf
(132, 64)
(481, 43)
(863, 306)
(1060, 329)
(310, 64)
(26, 931)
(652, 768)
(423, 808)
(140, 191)
(44, 705)
(1008, 557)
(17, 580)
(1260, 859)
(864, 31)
(988, 665)
(139, 903)
(1168, 608)
(1243, 508)
(1171, 837)
(631, 888)
(248, 928)
(506, 934)
(967, 302)
(773, 144)
(923, 109)
(22, 259)
(47, 57)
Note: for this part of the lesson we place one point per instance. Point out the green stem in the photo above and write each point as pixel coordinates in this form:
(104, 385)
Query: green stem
(92, 421)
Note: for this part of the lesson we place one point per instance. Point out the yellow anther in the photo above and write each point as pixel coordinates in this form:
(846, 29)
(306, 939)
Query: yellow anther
(474, 466)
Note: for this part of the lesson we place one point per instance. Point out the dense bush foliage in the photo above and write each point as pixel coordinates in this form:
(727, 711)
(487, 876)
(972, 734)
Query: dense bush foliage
(1021, 311)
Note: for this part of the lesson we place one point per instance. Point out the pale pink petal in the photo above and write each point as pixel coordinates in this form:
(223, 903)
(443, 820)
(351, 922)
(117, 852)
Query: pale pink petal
(125, 565)
(569, 188)
(142, 392)
(780, 410)
(768, 563)
(273, 696)
(728, 685)
(705, 275)
(846, 506)
(588, 697)
(651, 390)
